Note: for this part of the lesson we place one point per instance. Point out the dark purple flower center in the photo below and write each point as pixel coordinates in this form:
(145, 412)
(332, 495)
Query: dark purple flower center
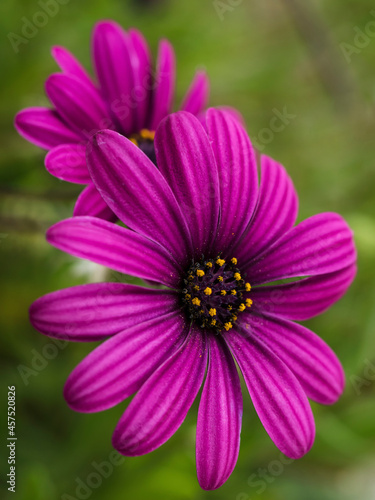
(214, 293)
(145, 141)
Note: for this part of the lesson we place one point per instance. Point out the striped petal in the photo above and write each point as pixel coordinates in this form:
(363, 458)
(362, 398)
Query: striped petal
(79, 104)
(196, 98)
(238, 177)
(89, 202)
(44, 128)
(68, 162)
(305, 298)
(112, 56)
(137, 192)
(184, 157)
(219, 418)
(161, 405)
(319, 245)
(311, 360)
(121, 365)
(278, 397)
(115, 247)
(164, 85)
(95, 311)
(275, 214)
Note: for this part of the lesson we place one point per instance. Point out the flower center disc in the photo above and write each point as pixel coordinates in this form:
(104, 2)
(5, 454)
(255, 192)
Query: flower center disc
(214, 293)
(145, 141)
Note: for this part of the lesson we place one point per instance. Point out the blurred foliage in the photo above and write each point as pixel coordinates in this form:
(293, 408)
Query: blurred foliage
(260, 56)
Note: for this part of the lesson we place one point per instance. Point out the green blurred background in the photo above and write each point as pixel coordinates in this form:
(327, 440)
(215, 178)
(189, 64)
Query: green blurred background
(260, 56)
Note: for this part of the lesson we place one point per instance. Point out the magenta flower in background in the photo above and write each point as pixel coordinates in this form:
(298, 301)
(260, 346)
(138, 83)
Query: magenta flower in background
(130, 98)
(200, 226)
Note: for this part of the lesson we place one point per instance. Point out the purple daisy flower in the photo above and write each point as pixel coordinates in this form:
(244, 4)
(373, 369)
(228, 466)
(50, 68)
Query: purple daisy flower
(130, 99)
(200, 226)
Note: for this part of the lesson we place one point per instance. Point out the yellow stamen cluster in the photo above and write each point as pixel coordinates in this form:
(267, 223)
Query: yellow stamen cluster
(214, 293)
(147, 134)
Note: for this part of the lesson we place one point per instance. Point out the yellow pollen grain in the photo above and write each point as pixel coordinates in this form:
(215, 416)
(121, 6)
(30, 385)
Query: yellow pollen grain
(147, 134)
(248, 302)
(213, 322)
(201, 311)
(234, 261)
(196, 301)
(220, 262)
(190, 277)
(223, 292)
(196, 288)
(209, 264)
(230, 308)
(188, 296)
(220, 278)
(233, 292)
(237, 276)
(134, 141)
(234, 317)
(200, 273)
(212, 312)
(241, 307)
(247, 287)
(228, 325)
(208, 291)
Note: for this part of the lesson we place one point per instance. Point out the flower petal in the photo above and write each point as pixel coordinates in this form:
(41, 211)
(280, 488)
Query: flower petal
(44, 128)
(89, 202)
(164, 84)
(141, 64)
(111, 52)
(184, 156)
(95, 311)
(303, 299)
(238, 176)
(137, 192)
(70, 65)
(275, 214)
(318, 245)
(278, 397)
(312, 361)
(121, 365)
(115, 247)
(79, 104)
(68, 162)
(219, 418)
(196, 98)
(161, 405)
